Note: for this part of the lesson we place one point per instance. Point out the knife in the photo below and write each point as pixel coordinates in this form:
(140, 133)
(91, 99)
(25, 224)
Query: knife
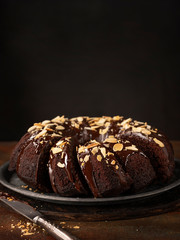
(33, 215)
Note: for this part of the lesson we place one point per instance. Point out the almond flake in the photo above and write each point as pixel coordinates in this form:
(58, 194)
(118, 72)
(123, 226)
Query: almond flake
(59, 143)
(145, 131)
(38, 124)
(94, 150)
(117, 147)
(99, 158)
(80, 119)
(60, 127)
(110, 153)
(42, 133)
(113, 162)
(32, 128)
(81, 149)
(126, 121)
(61, 165)
(158, 142)
(86, 158)
(58, 119)
(117, 167)
(45, 122)
(111, 140)
(56, 134)
(133, 148)
(117, 118)
(103, 151)
(103, 131)
(92, 145)
(56, 150)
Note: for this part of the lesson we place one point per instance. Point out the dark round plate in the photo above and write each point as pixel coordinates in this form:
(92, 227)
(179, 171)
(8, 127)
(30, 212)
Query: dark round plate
(12, 182)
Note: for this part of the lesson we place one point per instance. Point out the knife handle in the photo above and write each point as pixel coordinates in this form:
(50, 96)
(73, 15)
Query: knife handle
(57, 233)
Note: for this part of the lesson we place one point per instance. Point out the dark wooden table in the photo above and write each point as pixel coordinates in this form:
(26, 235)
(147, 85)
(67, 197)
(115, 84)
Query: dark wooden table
(157, 218)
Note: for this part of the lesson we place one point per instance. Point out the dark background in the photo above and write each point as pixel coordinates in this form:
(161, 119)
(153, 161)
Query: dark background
(89, 58)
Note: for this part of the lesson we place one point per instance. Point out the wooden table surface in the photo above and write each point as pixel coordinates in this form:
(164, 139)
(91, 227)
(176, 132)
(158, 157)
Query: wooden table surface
(158, 219)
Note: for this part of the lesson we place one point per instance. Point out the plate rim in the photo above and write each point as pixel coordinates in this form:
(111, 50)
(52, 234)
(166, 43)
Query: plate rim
(82, 201)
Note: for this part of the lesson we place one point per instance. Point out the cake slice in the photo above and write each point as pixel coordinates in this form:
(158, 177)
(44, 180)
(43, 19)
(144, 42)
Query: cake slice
(103, 173)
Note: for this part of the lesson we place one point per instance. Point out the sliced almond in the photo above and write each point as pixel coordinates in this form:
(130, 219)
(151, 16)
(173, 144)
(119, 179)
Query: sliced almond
(103, 131)
(99, 158)
(38, 124)
(111, 140)
(42, 133)
(113, 162)
(59, 143)
(45, 122)
(58, 119)
(103, 151)
(80, 119)
(117, 118)
(126, 121)
(158, 142)
(56, 134)
(32, 128)
(110, 153)
(81, 149)
(117, 147)
(56, 150)
(60, 127)
(86, 158)
(132, 147)
(61, 165)
(94, 150)
(92, 145)
(117, 167)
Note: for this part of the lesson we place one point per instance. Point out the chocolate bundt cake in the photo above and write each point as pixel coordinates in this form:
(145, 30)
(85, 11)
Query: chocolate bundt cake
(92, 156)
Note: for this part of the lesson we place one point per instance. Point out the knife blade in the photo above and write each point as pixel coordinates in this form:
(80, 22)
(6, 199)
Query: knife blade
(35, 216)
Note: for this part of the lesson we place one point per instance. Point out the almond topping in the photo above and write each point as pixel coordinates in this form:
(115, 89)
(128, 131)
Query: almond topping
(111, 140)
(58, 119)
(32, 128)
(103, 131)
(94, 150)
(45, 122)
(61, 165)
(110, 153)
(103, 151)
(117, 118)
(56, 150)
(56, 134)
(117, 167)
(42, 133)
(38, 124)
(86, 158)
(158, 142)
(60, 127)
(126, 121)
(133, 148)
(117, 147)
(113, 162)
(99, 158)
(81, 149)
(92, 145)
(80, 119)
